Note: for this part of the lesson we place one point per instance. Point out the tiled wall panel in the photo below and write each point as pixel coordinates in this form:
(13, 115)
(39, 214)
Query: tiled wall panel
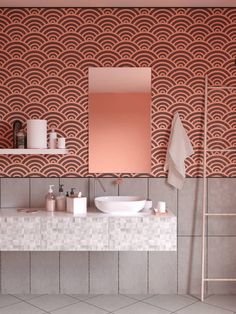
(221, 263)
(45, 272)
(162, 272)
(152, 272)
(189, 265)
(15, 272)
(133, 272)
(190, 208)
(44, 59)
(103, 272)
(222, 198)
(74, 272)
(15, 193)
(39, 189)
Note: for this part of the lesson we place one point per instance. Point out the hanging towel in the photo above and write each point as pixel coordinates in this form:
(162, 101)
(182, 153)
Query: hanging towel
(179, 148)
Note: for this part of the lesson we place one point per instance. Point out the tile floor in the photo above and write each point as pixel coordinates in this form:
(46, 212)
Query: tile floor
(116, 304)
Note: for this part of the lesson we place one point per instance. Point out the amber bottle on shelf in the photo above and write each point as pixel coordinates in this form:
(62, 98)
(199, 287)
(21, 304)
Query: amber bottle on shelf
(17, 126)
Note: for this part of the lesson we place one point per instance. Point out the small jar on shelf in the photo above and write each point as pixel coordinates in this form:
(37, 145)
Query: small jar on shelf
(21, 139)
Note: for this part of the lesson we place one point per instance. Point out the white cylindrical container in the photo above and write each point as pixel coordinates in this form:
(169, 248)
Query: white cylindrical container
(36, 133)
(53, 139)
(61, 142)
(148, 204)
(161, 207)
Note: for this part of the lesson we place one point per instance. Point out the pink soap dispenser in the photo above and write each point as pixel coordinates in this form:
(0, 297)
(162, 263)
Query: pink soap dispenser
(50, 200)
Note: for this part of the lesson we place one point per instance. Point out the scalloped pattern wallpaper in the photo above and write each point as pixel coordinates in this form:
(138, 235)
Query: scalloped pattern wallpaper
(44, 59)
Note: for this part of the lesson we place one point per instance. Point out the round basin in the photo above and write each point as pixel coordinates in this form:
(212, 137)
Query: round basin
(124, 205)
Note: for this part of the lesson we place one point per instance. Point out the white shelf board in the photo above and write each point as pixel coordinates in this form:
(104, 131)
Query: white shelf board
(32, 151)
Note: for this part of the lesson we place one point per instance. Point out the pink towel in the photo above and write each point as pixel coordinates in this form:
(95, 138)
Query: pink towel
(179, 148)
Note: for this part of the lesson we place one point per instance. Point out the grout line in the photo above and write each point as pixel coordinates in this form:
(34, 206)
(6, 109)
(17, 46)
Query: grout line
(0, 271)
(89, 274)
(213, 305)
(30, 272)
(88, 190)
(207, 237)
(118, 261)
(30, 192)
(177, 242)
(51, 311)
(16, 302)
(159, 307)
(0, 192)
(148, 257)
(123, 307)
(120, 308)
(154, 305)
(59, 271)
(217, 306)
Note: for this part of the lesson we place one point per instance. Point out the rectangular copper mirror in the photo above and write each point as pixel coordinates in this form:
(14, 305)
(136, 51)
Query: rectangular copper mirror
(119, 120)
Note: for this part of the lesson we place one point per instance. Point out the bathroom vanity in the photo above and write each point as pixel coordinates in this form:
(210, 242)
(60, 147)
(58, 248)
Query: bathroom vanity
(95, 231)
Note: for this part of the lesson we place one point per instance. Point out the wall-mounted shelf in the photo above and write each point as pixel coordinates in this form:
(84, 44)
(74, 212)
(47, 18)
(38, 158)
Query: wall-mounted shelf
(32, 151)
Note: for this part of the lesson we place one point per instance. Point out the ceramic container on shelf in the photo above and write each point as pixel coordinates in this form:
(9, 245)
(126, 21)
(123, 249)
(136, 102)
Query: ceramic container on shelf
(37, 133)
(52, 139)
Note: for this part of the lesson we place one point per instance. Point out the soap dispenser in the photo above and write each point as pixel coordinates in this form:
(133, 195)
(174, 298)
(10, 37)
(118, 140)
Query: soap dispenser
(72, 192)
(61, 199)
(50, 200)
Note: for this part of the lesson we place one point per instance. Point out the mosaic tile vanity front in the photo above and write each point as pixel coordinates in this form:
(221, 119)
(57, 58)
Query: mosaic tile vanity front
(43, 231)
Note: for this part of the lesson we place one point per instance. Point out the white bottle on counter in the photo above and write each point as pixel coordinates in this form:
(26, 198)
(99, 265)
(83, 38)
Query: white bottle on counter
(53, 139)
(50, 200)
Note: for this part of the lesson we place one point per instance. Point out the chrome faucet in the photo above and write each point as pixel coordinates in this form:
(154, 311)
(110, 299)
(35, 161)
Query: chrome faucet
(100, 183)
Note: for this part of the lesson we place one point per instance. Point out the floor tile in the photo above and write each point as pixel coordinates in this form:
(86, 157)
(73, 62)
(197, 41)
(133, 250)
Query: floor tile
(227, 302)
(202, 308)
(111, 302)
(52, 302)
(83, 297)
(26, 297)
(141, 308)
(80, 308)
(139, 297)
(6, 299)
(20, 308)
(170, 302)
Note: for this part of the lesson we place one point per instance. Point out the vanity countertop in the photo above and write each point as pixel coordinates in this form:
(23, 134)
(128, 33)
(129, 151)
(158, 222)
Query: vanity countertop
(91, 212)
(94, 231)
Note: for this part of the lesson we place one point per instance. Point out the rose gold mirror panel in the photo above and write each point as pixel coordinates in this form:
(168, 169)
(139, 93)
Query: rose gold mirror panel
(119, 120)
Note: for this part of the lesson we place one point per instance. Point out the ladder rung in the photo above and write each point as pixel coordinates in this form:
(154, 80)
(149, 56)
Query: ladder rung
(220, 214)
(222, 87)
(219, 279)
(221, 150)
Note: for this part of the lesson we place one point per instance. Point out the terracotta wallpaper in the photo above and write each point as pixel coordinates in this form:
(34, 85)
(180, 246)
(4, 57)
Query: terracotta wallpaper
(44, 59)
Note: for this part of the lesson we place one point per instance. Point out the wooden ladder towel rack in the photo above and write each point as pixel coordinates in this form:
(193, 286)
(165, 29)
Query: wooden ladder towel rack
(204, 203)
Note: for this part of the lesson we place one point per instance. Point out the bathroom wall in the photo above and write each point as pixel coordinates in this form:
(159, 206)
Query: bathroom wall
(44, 59)
(127, 272)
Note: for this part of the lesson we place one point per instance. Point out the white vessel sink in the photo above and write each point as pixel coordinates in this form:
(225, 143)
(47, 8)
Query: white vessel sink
(116, 205)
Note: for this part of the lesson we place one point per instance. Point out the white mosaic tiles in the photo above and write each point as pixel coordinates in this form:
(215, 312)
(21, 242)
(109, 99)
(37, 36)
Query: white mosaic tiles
(20, 233)
(149, 233)
(43, 231)
(74, 233)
